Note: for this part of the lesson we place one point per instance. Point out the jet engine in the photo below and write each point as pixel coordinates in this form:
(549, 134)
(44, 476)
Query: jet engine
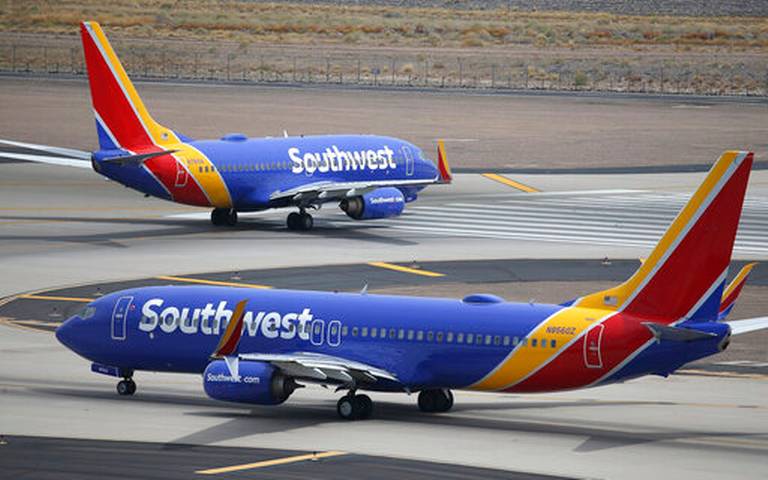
(258, 383)
(380, 203)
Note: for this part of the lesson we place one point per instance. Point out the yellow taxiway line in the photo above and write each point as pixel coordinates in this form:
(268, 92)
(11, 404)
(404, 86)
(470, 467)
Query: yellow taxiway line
(399, 268)
(509, 182)
(269, 463)
(210, 282)
(59, 299)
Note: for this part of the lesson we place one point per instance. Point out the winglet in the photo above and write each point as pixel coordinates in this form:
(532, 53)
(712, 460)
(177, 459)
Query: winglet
(442, 164)
(733, 290)
(230, 339)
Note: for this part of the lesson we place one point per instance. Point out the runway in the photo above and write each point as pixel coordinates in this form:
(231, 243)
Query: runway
(69, 233)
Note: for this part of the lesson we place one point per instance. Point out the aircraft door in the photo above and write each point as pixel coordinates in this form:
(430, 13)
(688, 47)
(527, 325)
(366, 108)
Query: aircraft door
(592, 345)
(119, 317)
(182, 176)
(408, 161)
(318, 329)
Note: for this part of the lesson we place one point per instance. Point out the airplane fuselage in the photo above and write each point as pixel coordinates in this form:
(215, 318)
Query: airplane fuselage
(245, 174)
(480, 342)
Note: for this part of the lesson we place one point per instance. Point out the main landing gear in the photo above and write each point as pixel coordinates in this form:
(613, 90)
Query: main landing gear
(354, 407)
(435, 401)
(224, 216)
(126, 387)
(300, 220)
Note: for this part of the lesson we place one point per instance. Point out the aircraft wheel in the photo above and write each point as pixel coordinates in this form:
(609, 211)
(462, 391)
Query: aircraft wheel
(347, 408)
(364, 405)
(435, 401)
(230, 217)
(219, 216)
(306, 221)
(293, 221)
(126, 387)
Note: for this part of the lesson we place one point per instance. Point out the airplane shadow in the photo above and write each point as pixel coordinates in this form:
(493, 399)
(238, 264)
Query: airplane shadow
(181, 227)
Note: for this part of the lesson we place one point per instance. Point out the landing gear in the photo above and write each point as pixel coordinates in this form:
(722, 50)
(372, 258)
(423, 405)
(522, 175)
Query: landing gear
(435, 401)
(300, 221)
(354, 407)
(224, 216)
(126, 387)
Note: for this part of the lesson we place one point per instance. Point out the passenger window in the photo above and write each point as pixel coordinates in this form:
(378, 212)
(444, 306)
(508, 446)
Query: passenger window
(497, 340)
(430, 336)
(524, 341)
(400, 334)
(344, 331)
(364, 332)
(553, 343)
(459, 338)
(354, 331)
(410, 334)
(439, 337)
(449, 337)
(200, 169)
(544, 343)
(488, 339)
(470, 339)
(374, 332)
(391, 333)
(515, 341)
(383, 333)
(533, 342)
(506, 340)
(420, 335)
(334, 329)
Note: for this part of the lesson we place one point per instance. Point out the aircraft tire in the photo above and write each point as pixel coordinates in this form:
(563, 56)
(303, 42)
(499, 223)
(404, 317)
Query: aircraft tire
(364, 405)
(293, 221)
(230, 217)
(217, 216)
(306, 222)
(435, 400)
(126, 387)
(347, 408)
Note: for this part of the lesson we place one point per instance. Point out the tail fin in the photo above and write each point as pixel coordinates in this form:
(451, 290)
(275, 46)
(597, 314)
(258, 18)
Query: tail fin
(683, 277)
(733, 290)
(122, 120)
(442, 164)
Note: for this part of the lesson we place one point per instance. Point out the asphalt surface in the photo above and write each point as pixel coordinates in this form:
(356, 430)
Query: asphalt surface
(55, 458)
(69, 232)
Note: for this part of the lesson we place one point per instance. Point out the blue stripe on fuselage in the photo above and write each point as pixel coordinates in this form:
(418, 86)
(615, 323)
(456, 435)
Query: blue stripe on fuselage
(254, 169)
(415, 363)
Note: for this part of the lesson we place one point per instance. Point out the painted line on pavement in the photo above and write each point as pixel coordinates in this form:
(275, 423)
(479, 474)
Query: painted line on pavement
(269, 463)
(56, 298)
(400, 268)
(509, 182)
(210, 282)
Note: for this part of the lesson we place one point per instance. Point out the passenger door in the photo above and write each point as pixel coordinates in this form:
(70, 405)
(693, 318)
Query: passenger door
(119, 317)
(408, 154)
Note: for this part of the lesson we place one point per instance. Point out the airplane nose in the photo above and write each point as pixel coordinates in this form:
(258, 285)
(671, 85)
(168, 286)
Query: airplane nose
(64, 333)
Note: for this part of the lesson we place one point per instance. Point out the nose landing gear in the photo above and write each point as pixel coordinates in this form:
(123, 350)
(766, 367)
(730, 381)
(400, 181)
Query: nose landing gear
(224, 216)
(126, 387)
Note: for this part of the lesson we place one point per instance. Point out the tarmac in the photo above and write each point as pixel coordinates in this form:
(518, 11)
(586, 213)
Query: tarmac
(68, 233)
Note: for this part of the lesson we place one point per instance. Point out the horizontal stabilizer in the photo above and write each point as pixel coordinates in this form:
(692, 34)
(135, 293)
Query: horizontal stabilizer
(733, 290)
(67, 152)
(749, 325)
(137, 159)
(676, 334)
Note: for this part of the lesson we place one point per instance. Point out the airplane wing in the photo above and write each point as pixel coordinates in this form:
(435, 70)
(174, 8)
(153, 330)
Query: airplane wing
(66, 157)
(327, 191)
(749, 325)
(322, 368)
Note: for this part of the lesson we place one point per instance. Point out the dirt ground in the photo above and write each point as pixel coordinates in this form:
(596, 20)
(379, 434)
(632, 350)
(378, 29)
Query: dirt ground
(481, 131)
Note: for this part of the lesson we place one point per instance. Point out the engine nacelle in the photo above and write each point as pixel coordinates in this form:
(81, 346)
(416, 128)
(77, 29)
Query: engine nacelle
(380, 203)
(259, 383)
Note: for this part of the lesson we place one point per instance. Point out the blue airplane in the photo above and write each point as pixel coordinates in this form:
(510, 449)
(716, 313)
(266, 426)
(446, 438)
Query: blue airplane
(369, 176)
(258, 346)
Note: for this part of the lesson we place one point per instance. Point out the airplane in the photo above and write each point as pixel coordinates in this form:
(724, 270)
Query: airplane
(258, 346)
(369, 176)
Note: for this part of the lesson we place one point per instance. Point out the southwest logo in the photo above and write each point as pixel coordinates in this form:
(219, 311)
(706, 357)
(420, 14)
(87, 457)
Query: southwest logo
(334, 160)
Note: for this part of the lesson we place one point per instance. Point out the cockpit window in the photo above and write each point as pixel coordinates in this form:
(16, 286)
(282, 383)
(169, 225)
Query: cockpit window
(87, 312)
